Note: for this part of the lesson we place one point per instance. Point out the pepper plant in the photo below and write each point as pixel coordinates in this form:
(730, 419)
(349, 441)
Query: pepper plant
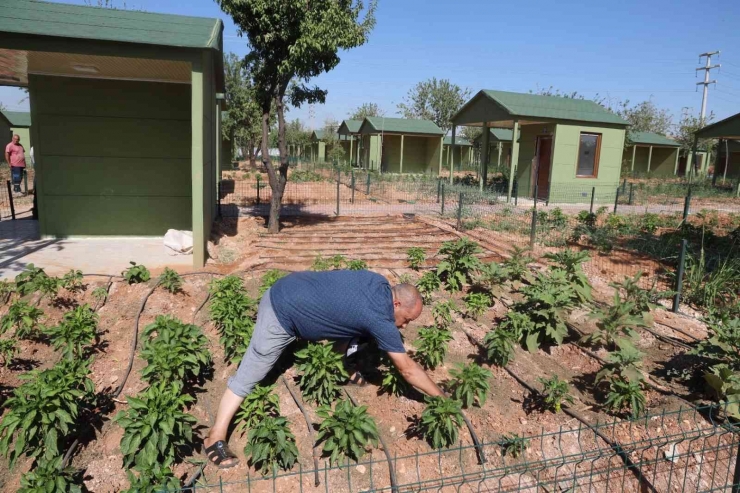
(322, 371)
(555, 392)
(77, 329)
(427, 284)
(476, 304)
(154, 479)
(170, 280)
(458, 263)
(8, 350)
(416, 257)
(23, 317)
(48, 286)
(269, 278)
(622, 373)
(442, 313)
(356, 264)
(178, 351)
(7, 288)
(500, 344)
(73, 281)
(517, 265)
(643, 300)
(492, 275)
(432, 346)
(49, 477)
(233, 313)
(155, 426)
(440, 421)
(136, 274)
(45, 410)
(346, 432)
(393, 382)
(100, 294)
(571, 261)
(514, 445)
(470, 383)
(27, 281)
(271, 445)
(261, 403)
(614, 321)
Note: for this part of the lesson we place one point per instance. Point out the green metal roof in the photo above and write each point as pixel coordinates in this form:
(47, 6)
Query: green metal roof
(533, 106)
(729, 128)
(82, 22)
(353, 126)
(377, 124)
(18, 118)
(459, 141)
(650, 138)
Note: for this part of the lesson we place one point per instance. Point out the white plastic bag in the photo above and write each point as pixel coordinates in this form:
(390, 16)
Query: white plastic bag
(179, 242)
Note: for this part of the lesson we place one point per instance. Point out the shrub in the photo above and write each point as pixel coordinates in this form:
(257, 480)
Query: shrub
(432, 346)
(178, 352)
(23, 317)
(77, 329)
(416, 257)
(346, 432)
(514, 445)
(155, 479)
(427, 284)
(357, 265)
(233, 312)
(470, 382)
(155, 426)
(261, 403)
(441, 421)
(322, 371)
(170, 280)
(555, 392)
(136, 274)
(46, 409)
(613, 321)
(27, 281)
(271, 445)
(571, 261)
(269, 278)
(476, 304)
(8, 350)
(458, 263)
(442, 313)
(49, 477)
(73, 280)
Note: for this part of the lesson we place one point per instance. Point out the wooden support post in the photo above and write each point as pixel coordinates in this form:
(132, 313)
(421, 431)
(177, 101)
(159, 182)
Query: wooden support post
(351, 148)
(634, 151)
(484, 151)
(675, 166)
(514, 158)
(500, 147)
(400, 166)
(441, 152)
(650, 158)
(450, 152)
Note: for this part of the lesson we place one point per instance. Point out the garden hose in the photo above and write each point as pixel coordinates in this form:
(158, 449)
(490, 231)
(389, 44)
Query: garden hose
(311, 432)
(391, 469)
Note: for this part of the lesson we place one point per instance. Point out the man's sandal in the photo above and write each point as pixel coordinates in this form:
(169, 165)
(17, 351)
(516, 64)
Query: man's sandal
(358, 380)
(219, 452)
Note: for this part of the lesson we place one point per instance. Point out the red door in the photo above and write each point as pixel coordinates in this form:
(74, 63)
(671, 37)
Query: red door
(544, 155)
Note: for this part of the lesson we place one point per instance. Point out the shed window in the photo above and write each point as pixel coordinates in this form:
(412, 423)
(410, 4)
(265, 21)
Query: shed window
(588, 155)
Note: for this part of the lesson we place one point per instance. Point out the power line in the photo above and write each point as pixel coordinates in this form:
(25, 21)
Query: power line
(706, 68)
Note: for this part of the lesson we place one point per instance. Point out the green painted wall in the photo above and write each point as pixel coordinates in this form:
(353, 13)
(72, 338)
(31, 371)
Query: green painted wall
(733, 164)
(370, 152)
(108, 164)
(527, 149)
(420, 154)
(461, 156)
(662, 164)
(5, 136)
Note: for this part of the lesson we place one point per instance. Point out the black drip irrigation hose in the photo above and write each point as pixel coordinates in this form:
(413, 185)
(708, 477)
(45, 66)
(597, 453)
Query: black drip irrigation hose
(566, 409)
(391, 469)
(311, 432)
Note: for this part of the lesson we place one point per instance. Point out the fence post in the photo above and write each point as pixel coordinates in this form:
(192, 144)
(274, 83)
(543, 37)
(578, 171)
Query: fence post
(459, 211)
(25, 182)
(339, 179)
(258, 189)
(616, 201)
(736, 474)
(687, 205)
(443, 200)
(353, 186)
(624, 186)
(439, 188)
(632, 193)
(10, 197)
(533, 228)
(679, 275)
(218, 191)
(368, 184)
(516, 193)
(593, 195)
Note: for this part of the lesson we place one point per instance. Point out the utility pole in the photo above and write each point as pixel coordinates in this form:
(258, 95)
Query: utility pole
(706, 68)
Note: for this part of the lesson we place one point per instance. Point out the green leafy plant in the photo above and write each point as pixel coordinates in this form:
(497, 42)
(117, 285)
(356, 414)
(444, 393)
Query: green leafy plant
(170, 280)
(271, 445)
(470, 382)
(322, 372)
(500, 344)
(427, 284)
(27, 281)
(136, 274)
(440, 422)
(571, 261)
(23, 317)
(721, 350)
(100, 294)
(77, 329)
(262, 402)
(432, 346)
(73, 281)
(514, 445)
(625, 395)
(393, 382)
(155, 479)
(614, 321)
(517, 265)
(335, 262)
(346, 432)
(7, 288)
(458, 263)
(178, 351)
(155, 426)
(269, 278)
(643, 300)
(624, 363)
(476, 304)
(492, 275)
(233, 313)
(357, 265)
(442, 313)
(555, 392)
(45, 409)
(416, 257)
(48, 286)
(49, 477)
(405, 278)
(8, 350)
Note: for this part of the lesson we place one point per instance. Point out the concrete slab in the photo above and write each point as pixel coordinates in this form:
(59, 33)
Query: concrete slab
(21, 244)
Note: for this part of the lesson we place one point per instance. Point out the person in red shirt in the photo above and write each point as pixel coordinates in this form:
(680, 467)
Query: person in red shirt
(15, 156)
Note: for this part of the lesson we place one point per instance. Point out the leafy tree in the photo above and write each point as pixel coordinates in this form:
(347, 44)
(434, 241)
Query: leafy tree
(646, 117)
(289, 41)
(365, 110)
(334, 151)
(435, 100)
(296, 134)
(243, 122)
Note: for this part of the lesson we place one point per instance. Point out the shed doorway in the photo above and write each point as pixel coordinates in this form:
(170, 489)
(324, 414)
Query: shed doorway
(544, 159)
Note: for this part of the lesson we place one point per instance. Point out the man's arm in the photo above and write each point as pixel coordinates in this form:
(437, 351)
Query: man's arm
(414, 374)
(7, 157)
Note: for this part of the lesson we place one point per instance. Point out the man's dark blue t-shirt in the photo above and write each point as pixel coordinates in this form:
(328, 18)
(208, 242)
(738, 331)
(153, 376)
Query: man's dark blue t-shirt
(337, 305)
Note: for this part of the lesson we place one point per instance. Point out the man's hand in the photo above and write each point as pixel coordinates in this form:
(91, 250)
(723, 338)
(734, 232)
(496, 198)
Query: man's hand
(415, 374)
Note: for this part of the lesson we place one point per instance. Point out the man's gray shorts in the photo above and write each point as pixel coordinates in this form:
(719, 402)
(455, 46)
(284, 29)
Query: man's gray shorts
(268, 342)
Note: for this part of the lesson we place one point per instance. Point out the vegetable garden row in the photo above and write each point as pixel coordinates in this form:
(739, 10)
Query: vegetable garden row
(522, 349)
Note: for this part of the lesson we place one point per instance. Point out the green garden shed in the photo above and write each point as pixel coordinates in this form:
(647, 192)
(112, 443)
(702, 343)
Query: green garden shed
(727, 165)
(20, 124)
(400, 145)
(651, 154)
(349, 134)
(499, 146)
(125, 117)
(317, 147)
(5, 133)
(463, 155)
(566, 146)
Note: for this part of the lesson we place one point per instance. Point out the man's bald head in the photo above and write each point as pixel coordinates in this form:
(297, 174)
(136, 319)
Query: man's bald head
(407, 304)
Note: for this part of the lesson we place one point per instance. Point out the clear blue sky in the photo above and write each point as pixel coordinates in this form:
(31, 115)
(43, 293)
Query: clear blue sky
(627, 49)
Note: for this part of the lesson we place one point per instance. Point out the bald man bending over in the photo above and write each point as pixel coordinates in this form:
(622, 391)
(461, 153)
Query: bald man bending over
(337, 306)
